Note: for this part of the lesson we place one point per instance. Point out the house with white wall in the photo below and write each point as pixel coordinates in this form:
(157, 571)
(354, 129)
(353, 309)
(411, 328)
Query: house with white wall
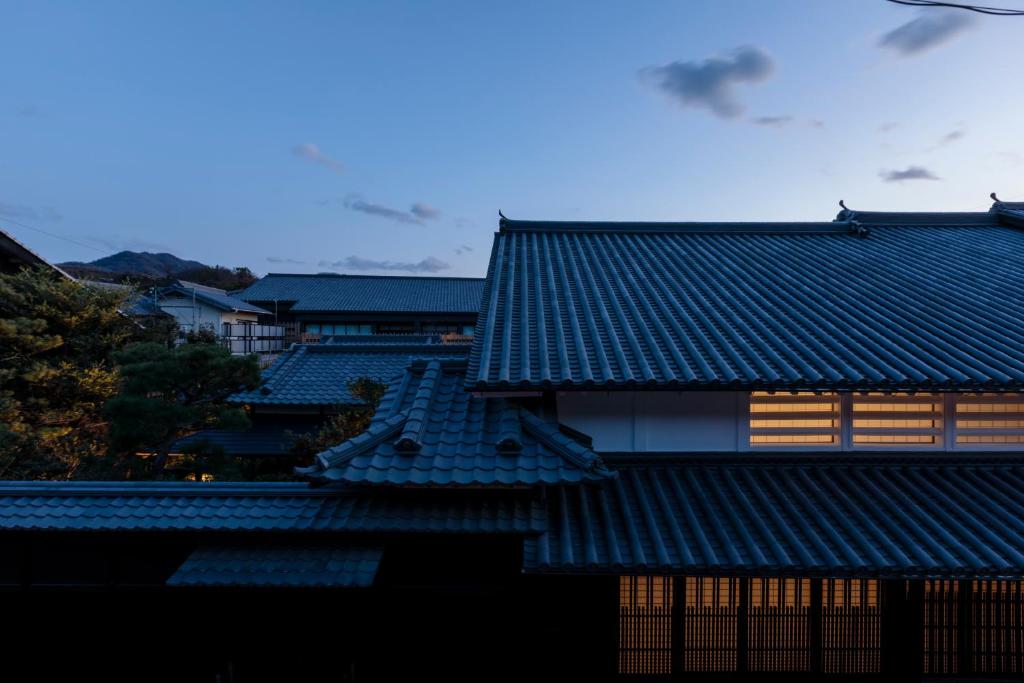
(197, 307)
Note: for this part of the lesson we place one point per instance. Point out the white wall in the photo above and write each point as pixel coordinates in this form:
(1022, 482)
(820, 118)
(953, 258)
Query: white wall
(656, 420)
(202, 314)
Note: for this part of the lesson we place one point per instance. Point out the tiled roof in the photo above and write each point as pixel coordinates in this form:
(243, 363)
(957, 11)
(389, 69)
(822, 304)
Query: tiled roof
(319, 374)
(347, 566)
(428, 431)
(256, 507)
(369, 293)
(869, 301)
(270, 440)
(218, 298)
(884, 516)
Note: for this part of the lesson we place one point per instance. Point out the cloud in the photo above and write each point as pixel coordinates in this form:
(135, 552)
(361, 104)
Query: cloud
(710, 83)
(428, 265)
(909, 173)
(816, 123)
(888, 127)
(425, 211)
(463, 249)
(292, 261)
(952, 136)
(17, 211)
(29, 111)
(415, 216)
(774, 121)
(928, 31)
(312, 153)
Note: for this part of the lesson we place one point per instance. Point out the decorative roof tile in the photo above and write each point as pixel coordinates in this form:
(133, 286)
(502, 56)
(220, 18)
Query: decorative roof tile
(429, 431)
(368, 293)
(870, 301)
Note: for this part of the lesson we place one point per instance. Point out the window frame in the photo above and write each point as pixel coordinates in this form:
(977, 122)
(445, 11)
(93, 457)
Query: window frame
(946, 415)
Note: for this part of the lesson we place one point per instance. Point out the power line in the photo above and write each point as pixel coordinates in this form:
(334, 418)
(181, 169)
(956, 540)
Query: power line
(996, 11)
(56, 236)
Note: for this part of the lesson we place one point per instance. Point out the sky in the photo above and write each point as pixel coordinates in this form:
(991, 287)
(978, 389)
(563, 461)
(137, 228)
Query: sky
(383, 137)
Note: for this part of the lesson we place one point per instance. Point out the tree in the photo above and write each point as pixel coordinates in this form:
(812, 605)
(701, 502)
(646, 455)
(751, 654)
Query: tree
(167, 393)
(56, 338)
(348, 421)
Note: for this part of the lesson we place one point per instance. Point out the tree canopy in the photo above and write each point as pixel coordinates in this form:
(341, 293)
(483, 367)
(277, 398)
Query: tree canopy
(56, 339)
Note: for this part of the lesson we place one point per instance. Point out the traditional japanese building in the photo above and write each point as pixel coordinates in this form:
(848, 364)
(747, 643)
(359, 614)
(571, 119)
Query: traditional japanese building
(315, 307)
(686, 450)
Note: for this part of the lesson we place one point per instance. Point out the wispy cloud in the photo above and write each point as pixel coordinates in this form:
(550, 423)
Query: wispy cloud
(929, 30)
(312, 153)
(463, 249)
(909, 173)
(816, 123)
(29, 111)
(425, 212)
(710, 83)
(952, 136)
(428, 265)
(21, 211)
(417, 214)
(290, 261)
(773, 121)
(888, 127)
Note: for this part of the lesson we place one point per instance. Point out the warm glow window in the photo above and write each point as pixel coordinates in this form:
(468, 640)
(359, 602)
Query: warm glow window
(794, 420)
(989, 420)
(897, 420)
(884, 421)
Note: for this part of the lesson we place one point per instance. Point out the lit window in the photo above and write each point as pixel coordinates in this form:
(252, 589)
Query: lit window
(897, 420)
(645, 625)
(801, 419)
(989, 419)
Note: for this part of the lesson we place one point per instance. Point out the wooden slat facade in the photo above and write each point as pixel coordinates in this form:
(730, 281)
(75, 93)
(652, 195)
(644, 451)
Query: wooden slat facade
(832, 627)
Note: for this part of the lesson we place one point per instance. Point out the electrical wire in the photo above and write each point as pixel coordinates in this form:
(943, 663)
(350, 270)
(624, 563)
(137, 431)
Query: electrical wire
(54, 235)
(995, 11)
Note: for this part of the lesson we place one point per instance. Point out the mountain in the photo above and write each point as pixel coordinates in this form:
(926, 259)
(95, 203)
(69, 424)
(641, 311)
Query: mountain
(137, 263)
(145, 269)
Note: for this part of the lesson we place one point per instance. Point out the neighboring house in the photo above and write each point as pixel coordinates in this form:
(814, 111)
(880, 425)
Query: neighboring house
(329, 304)
(308, 383)
(677, 450)
(197, 306)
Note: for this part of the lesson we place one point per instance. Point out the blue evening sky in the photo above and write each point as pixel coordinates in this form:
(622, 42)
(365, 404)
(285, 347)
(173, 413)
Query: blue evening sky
(384, 136)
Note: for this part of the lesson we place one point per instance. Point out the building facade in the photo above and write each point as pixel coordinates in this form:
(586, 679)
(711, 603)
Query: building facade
(317, 307)
(675, 451)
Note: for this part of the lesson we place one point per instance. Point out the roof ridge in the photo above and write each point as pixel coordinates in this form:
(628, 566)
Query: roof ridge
(575, 453)
(370, 277)
(686, 227)
(340, 454)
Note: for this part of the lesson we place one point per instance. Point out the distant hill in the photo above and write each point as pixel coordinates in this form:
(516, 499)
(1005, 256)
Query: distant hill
(139, 263)
(147, 269)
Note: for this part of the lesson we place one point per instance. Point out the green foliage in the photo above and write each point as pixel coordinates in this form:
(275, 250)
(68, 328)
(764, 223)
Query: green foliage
(169, 392)
(345, 423)
(56, 338)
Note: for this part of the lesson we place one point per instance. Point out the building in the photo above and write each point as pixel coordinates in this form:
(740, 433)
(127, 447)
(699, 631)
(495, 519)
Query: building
(328, 304)
(309, 383)
(675, 450)
(196, 307)
(15, 256)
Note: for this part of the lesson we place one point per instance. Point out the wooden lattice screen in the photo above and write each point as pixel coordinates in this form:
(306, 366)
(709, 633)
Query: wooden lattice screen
(710, 621)
(645, 625)
(778, 625)
(996, 634)
(940, 633)
(851, 626)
